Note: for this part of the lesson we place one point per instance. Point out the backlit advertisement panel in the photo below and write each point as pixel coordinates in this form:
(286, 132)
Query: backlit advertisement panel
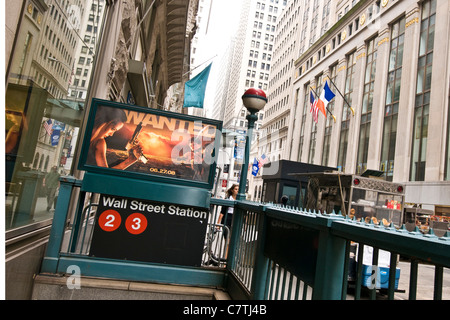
(150, 144)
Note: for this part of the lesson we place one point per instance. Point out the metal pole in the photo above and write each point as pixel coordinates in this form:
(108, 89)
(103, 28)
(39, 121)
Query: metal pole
(252, 117)
(345, 100)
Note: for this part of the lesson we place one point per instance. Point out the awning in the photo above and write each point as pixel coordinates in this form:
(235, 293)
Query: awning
(67, 111)
(176, 21)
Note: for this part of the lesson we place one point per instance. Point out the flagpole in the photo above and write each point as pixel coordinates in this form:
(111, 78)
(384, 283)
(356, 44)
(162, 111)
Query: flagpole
(199, 65)
(334, 118)
(345, 100)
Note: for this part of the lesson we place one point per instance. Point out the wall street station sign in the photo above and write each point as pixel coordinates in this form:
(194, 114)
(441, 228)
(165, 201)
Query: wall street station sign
(149, 231)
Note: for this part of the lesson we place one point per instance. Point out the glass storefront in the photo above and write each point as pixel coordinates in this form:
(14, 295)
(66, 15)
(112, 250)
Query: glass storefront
(48, 72)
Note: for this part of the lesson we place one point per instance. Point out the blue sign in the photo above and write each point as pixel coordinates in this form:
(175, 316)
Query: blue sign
(255, 167)
(56, 133)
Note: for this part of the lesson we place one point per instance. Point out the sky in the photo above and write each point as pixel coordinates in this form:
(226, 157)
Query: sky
(222, 26)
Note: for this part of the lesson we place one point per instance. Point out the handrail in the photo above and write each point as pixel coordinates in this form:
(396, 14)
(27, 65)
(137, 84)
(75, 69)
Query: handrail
(336, 234)
(251, 273)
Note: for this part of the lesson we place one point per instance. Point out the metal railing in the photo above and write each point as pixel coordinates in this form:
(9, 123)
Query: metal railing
(272, 252)
(217, 237)
(349, 258)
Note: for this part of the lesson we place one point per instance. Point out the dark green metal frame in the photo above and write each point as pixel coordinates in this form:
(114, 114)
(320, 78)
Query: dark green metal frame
(151, 177)
(335, 234)
(57, 262)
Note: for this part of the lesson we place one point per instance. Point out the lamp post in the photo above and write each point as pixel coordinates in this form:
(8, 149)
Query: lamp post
(254, 100)
(59, 61)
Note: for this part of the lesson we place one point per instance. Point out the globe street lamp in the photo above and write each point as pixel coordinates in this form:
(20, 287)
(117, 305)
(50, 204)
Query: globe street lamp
(254, 100)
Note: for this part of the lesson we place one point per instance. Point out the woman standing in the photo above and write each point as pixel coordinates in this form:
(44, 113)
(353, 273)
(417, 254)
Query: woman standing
(228, 211)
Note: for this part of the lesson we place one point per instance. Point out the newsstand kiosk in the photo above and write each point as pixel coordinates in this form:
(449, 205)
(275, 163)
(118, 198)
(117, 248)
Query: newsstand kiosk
(152, 172)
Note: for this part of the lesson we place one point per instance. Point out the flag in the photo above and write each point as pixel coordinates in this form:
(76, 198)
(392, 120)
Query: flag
(255, 167)
(54, 137)
(194, 89)
(325, 98)
(262, 161)
(313, 104)
(48, 126)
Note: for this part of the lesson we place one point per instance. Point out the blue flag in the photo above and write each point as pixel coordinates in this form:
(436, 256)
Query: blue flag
(194, 89)
(56, 133)
(255, 167)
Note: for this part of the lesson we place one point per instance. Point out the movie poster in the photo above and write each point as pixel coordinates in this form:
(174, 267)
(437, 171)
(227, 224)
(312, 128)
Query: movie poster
(151, 143)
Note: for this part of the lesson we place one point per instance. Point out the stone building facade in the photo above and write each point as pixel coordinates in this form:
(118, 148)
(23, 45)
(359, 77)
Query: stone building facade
(387, 62)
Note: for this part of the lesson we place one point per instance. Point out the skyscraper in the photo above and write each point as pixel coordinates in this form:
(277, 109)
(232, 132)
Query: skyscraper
(250, 66)
(252, 56)
(89, 31)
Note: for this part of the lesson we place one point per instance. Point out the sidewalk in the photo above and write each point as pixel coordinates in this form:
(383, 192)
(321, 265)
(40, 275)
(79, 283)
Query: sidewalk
(425, 284)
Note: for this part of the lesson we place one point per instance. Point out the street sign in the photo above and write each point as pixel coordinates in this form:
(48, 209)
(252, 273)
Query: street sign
(149, 231)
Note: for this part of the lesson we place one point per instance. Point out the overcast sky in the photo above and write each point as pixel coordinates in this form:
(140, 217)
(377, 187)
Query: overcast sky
(222, 26)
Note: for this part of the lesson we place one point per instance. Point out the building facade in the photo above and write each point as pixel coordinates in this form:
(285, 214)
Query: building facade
(299, 25)
(387, 62)
(89, 36)
(250, 66)
(59, 55)
(252, 56)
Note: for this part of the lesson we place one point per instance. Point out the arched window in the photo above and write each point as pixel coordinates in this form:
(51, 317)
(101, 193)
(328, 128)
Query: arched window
(46, 163)
(36, 159)
(41, 161)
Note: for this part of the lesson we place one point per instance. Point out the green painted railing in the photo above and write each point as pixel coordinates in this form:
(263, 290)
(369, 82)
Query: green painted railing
(272, 252)
(332, 240)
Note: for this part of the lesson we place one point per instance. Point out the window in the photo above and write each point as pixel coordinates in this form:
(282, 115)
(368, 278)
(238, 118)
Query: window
(312, 143)
(25, 52)
(366, 112)
(422, 103)
(392, 99)
(329, 121)
(447, 161)
(28, 104)
(345, 122)
(302, 126)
